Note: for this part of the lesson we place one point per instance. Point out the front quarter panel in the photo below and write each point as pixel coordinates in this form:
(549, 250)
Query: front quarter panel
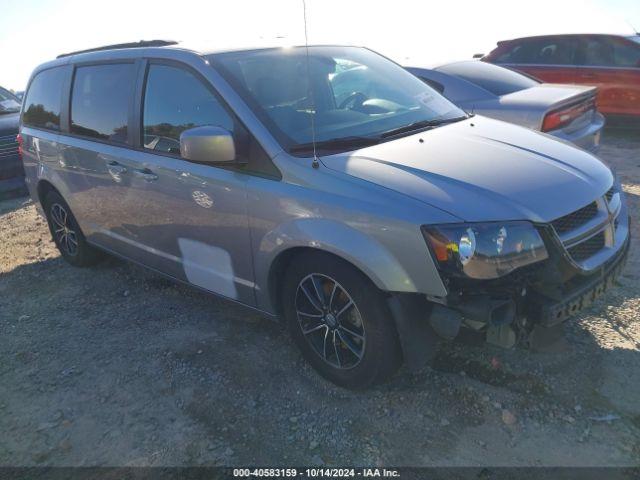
(375, 229)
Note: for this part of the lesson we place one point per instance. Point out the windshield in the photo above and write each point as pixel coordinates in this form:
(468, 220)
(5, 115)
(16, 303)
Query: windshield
(495, 79)
(9, 103)
(351, 93)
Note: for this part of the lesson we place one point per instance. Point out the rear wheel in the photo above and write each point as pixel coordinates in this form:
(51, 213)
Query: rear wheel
(340, 321)
(66, 233)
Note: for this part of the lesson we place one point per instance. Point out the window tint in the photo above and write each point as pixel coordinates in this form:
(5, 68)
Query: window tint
(610, 52)
(9, 103)
(100, 101)
(42, 104)
(512, 53)
(542, 51)
(175, 100)
(497, 80)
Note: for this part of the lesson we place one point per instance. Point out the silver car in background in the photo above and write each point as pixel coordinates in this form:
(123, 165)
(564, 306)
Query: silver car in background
(564, 111)
(369, 212)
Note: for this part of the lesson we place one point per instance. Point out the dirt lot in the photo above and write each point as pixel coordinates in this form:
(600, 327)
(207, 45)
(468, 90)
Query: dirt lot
(117, 366)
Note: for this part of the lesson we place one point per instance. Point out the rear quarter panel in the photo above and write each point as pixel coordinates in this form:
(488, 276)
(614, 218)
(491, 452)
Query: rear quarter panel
(41, 163)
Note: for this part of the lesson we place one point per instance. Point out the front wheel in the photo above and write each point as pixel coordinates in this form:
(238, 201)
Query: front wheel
(340, 321)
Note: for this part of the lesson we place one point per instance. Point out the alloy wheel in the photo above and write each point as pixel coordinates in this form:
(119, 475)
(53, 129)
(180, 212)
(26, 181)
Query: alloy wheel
(65, 236)
(330, 321)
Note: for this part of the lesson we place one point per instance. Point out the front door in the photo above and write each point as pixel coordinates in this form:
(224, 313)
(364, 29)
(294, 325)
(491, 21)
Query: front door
(191, 220)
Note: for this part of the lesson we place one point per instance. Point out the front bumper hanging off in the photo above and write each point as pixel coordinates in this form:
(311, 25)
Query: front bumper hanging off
(508, 311)
(549, 313)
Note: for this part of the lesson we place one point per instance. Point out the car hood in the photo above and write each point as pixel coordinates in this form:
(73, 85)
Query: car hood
(482, 170)
(9, 124)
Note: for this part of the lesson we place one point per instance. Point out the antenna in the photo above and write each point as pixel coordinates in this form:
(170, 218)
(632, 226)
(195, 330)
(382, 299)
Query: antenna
(315, 163)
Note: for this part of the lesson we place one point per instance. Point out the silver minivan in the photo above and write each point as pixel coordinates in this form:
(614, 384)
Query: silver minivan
(373, 223)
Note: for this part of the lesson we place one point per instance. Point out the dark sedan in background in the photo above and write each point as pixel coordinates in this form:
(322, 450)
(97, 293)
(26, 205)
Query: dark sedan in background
(564, 111)
(11, 170)
(609, 62)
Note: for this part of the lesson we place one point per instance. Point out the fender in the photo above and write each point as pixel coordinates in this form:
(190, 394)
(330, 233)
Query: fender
(361, 250)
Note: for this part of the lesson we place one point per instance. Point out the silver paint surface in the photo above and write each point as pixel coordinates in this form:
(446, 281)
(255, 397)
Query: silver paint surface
(222, 229)
(526, 107)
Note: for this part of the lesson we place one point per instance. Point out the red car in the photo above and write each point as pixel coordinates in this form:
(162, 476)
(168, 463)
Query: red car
(610, 62)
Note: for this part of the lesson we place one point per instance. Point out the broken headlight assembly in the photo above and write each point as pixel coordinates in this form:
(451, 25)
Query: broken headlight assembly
(484, 250)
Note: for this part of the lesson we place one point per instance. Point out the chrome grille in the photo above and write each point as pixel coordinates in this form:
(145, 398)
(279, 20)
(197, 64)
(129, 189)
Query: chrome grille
(610, 193)
(589, 230)
(588, 248)
(575, 219)
(8, 146)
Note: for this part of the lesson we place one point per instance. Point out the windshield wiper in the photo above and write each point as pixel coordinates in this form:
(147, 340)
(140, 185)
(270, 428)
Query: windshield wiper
(335, 143)
(421, 125)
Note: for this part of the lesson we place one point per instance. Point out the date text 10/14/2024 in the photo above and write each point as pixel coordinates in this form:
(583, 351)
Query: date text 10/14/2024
(315, 473)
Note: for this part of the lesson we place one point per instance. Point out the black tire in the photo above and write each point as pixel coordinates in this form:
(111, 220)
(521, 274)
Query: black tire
(369, 318)
(70, 242)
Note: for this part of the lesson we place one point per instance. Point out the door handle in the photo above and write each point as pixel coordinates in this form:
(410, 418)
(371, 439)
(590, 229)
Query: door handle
(115, 168)
(146, 174)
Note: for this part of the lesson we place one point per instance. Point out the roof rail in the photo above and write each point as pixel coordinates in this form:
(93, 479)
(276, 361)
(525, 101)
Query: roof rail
(118, 46)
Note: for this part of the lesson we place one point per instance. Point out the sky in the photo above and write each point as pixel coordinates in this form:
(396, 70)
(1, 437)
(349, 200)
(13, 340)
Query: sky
(417, 33)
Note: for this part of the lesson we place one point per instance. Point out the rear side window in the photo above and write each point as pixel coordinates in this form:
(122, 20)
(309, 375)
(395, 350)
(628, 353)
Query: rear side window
(174, 101)
(42, 103)
(100, 101)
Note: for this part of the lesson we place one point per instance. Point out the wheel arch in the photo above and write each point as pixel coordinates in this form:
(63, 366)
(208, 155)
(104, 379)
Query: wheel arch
(43, 188)
(359, 249)
(282, 262)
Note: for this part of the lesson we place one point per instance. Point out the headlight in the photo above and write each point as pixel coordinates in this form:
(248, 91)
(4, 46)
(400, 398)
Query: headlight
(484, 250)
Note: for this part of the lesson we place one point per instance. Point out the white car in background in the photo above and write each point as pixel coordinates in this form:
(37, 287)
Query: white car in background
(564, 111)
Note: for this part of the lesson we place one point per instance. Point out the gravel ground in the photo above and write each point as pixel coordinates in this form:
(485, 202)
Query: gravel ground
(117, 366)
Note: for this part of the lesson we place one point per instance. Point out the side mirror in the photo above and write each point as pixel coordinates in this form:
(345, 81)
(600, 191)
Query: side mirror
(208, 145)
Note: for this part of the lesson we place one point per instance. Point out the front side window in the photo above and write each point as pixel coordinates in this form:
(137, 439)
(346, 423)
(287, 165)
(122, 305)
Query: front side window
(100, 101)
(541, 51)
(345, 92)
(174, 101)
(512, 53)
(42, 103)
(554, 51)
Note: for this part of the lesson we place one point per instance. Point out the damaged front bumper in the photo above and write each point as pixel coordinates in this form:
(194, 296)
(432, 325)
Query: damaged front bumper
(580, 294)
(524, 307)
(537, 298)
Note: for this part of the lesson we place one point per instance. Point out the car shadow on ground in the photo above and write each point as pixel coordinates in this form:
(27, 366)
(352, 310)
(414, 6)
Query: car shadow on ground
(13, 204)
(233, 373)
